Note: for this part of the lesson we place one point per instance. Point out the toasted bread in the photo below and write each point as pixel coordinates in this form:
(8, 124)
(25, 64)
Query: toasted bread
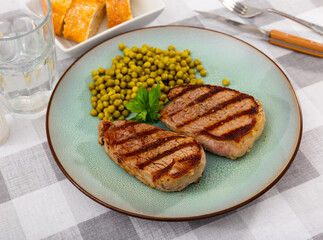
(83, 18)
(59, 9)
(118, 11)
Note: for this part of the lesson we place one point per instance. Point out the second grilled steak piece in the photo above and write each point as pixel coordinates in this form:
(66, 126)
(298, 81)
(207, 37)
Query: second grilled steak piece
(159, 158)
(225, 121)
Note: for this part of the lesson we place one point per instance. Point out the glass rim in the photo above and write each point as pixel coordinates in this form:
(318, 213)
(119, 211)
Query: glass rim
(2, 39)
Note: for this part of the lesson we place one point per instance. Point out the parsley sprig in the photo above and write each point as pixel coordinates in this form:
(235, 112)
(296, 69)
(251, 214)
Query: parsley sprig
(145, 104)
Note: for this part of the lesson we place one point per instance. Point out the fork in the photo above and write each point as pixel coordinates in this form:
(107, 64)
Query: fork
(248, 12)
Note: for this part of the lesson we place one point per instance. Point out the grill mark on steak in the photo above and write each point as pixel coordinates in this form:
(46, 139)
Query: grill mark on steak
(158, 174)
(153, 145)
(167, 172)
(125, 125)
(187, 89)
(166, 153)
(201, 98)
(235, 134)
(192, 159)
(118, 128)
(206, 96)
(228, 123)
(138, 135)
(251, 111)
(218, 107)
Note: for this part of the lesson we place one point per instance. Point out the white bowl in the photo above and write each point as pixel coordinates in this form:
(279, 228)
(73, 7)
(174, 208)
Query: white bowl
(143, 11)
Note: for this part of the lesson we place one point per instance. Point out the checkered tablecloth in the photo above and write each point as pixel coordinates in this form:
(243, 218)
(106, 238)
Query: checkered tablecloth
(38, 202)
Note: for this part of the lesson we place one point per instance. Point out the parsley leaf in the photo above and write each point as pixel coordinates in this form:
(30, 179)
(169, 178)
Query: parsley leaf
(146, 105)
(137, 105)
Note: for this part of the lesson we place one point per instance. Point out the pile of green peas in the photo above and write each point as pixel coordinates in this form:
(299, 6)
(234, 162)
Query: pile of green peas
(113, 87)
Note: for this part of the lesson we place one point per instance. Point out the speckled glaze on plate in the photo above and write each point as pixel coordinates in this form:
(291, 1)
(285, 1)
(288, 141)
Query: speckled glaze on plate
(226, 184)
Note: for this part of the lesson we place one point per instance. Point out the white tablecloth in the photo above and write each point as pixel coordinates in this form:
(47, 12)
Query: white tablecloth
(37, 201)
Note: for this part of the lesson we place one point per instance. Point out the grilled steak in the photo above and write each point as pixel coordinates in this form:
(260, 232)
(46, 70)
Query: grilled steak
(159, 158)
(225, 121)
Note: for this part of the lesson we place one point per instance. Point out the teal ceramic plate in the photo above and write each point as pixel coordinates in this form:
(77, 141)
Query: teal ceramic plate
(226, 184)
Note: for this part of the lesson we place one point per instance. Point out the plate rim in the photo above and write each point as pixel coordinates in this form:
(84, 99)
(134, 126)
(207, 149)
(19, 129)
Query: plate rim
(188, 218)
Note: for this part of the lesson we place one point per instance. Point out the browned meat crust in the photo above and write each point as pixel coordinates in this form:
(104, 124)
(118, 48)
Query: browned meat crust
(225, 121)
(159, 158)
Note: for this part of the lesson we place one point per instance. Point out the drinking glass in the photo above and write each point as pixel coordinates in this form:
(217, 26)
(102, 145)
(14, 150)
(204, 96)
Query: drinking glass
(4, 130)
(27, 56)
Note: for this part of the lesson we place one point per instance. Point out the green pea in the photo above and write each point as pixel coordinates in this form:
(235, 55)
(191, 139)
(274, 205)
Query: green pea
(95, 72)
(179, 82)
(105, 97)
(131, 84)
(171, 48)
(162, 97)
(147, 64)
(179, 74)
(134, 74)
(101, 70)
(197, 61)
(171, 83)
(203, 73)
(164, 76)
(134, 49)
(144, 85)
(139, 56)
(199, 81)
(135, 89)
(125, 113)
(122, 46)
(93, 112)
(121, 108)
(101, 115)
(111, 109)
(150, 81)
(183, 63)
(123, 85)
(225, 82)
(94, 92)
(91, 86)
(111, 72)
(124, 70)
(161, 65)
(117, 102)
(191, 64)
(199, 68)
(101, 86)
(117, 89)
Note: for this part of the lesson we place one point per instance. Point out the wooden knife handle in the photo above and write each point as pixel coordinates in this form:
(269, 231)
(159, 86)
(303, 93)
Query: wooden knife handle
(296, 43)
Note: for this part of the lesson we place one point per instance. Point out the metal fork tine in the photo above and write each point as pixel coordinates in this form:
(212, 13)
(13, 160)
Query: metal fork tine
(230, 3)
(248, 12)
(240, 7)
(235, 6)
(229, 6)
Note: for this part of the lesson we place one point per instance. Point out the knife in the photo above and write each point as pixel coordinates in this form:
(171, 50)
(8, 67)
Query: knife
(275, 37)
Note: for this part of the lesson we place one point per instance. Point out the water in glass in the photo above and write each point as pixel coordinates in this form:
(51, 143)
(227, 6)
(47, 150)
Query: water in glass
(27, 62)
